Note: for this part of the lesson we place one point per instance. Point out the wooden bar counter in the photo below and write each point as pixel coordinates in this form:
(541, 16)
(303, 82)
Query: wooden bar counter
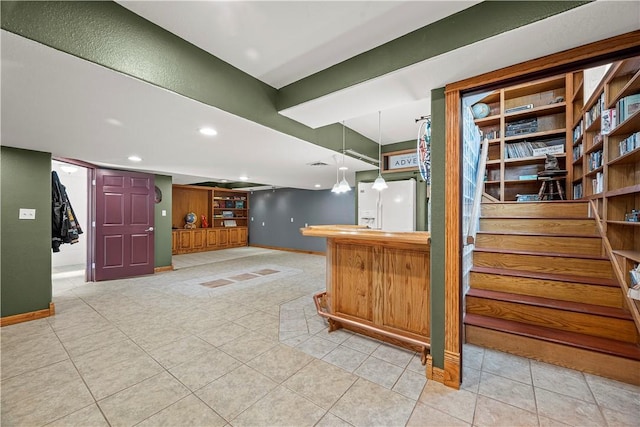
(378, 283)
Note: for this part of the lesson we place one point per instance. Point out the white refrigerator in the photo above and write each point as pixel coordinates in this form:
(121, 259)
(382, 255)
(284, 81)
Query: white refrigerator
(392, 209)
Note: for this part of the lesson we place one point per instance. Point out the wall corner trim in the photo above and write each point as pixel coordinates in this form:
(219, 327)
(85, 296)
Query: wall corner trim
(25, 317)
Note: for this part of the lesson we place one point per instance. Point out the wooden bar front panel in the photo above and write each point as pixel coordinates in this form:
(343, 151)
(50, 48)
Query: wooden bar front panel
(353, 281)
(406, 291)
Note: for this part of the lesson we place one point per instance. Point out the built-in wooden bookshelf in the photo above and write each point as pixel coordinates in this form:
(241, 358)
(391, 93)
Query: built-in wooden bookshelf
(609, 170)
(524, 118)
(226, 212)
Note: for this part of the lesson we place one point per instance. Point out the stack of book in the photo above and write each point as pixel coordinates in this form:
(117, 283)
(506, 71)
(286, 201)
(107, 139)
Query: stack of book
(577, 152)
(518, 150)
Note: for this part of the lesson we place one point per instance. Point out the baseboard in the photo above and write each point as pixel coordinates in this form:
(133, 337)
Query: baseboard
(434, 373)
(300, 251)
(163, 268)
(451, 369)
(25, 317)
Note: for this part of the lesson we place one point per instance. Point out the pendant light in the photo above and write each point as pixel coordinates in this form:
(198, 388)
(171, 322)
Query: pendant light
(379, 184)
(344, 185)
(336, 186)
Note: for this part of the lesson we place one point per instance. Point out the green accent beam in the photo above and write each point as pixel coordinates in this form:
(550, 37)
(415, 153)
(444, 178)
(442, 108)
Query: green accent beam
(110, 35)
(438, 219)
(476, 23)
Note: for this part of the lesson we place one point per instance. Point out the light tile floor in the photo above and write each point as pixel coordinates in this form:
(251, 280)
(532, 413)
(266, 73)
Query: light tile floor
(164, 350)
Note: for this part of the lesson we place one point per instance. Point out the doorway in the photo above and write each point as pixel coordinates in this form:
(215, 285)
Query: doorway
(69, 265)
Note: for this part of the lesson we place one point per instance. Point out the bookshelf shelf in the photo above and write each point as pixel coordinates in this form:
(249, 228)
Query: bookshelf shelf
(627, 126)
(632, 255)
(630, 157)
(535, 115)
(594, 172)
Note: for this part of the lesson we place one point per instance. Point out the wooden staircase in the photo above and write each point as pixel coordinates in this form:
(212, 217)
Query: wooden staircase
(541, 288)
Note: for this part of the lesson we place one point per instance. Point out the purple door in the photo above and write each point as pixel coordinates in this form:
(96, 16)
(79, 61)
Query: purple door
(124, 224)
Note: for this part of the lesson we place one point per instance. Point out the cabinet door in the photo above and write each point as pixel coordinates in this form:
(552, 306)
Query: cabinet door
(199, 239)
(185, 241)
(233, 237)
(174, 242)
(242, 232)
(212, 238)
(223, 237)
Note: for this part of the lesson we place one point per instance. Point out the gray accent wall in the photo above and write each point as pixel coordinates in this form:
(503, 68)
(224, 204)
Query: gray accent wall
(275, 209)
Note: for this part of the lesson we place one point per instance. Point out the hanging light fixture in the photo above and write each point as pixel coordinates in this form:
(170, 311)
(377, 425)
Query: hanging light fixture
(336, 186)
(344, 185)
(379, 184)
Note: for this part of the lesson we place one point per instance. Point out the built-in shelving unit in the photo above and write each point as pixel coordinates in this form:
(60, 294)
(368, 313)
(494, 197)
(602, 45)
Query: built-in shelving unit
(609, 170)
(226, 212)
(522, 118)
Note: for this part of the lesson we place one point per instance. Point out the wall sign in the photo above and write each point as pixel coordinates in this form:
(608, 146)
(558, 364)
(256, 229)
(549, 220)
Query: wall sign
(401, 160)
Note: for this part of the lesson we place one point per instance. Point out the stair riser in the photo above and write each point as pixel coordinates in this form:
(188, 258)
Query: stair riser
(584, 323)
(545, 264)
(540, 210)
(605, 365)
(564, 291)
(575, 227)
(568, 245)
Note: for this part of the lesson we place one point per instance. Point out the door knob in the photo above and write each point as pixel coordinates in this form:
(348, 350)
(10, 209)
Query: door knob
(149, 229)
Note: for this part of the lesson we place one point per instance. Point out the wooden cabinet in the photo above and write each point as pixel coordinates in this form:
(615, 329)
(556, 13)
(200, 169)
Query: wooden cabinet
(524, 122)
(225, 210)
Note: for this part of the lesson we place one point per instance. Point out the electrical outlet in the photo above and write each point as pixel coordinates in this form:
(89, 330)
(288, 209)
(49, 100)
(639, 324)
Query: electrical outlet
(164, 212)
(27, 213)
(291, 219)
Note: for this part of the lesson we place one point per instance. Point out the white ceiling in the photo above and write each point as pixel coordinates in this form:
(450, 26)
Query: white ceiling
(58, 103)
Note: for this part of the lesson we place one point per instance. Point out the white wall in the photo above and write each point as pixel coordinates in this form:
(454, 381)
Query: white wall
(592, 77)
(76, 185)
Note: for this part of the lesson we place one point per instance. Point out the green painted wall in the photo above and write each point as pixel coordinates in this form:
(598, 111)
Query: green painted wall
(162, 230)
(438, 219)
(25, 182)
(478, 22)
(110, 35)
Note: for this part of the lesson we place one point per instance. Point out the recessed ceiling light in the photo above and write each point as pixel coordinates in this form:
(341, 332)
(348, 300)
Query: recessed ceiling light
(135, 158)
(243, 178)
(208, 131)
(114, 122)
(317, 185)
(343, 168)
(224, 180)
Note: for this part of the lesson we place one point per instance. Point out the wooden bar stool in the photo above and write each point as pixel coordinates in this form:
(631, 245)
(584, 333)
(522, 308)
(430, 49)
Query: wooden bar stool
(549, 178)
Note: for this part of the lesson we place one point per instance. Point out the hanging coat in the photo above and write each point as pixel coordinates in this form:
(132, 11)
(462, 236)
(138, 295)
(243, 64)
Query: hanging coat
(64, 225)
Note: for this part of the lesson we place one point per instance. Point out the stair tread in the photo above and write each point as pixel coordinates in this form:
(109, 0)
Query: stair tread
(597, 281)
(603, 345)
(574, 202)
(542, 253)
(545, 218)
(539, 233)
(576, 307)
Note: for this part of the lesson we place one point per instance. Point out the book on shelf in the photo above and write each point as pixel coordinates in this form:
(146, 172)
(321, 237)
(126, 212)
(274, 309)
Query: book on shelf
(577, 131)
(577, 152)
(629, 144)
(230, 223)
(239, 204)
(594, 112)
(527, 177)
(627, 106)
(227, 214)
(577, 191)
(607, 121)
(595, 160)
(597, 183)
